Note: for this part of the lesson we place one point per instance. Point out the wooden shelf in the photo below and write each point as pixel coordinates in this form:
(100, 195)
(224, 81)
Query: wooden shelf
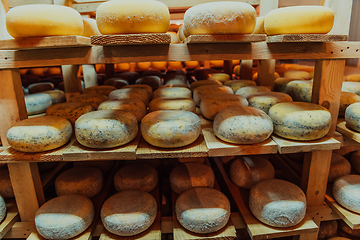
(348, 132)
(12, 216)
(306, 38)
(131, 39)
(225, 38)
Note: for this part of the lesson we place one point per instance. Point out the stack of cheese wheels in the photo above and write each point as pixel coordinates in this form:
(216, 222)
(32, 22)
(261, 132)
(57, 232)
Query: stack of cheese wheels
(346, 99)
(2, 208)
(104, 89)
(281, 83)
(145, 87)
(133, 105)
(57, 96)
(39, 134)
(299, 19)
(277, 203)
(138, 16)
(140, 176)
(246, 171)
(352, 116)
(265, 100)
(64, 217)
(199, 83)
(6, 190)
(170, 128)
(190, 175)
(187, 104)
(172, 92)
(106, 128)
(242, 125)
(211, 104)
(69, 110)
(219, 18)
(37, 103)
(300, 120)
(300, 90)
(340, 166)
(346, 191)
(355, 161)
(353, 87)
(250, 90)
(84, 180)
(137, 93)
(40, 20)
(201, 91)
(202, 210)
(128, 213)
(237, 84)
(93, 98)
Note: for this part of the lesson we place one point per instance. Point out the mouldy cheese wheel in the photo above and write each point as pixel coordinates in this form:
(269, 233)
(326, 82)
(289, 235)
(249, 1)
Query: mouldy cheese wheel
(37, 103)
(39, 134)
(237, 84)
(202, 210)
(92, 98)
(69, 110)
(117, 82)
(57, 96)
(219, 17)
(344, 227)
(346, 99)
(40, 87)
(64, 217)
(264, 101)
(6, 190)
(281, 83)
(187, 104)
(300, 90)
(90, 27)
(259, 27)
(145, 87)
(352, 116)
(246, 171)
(211, 104)
(153, 81)
(133, 105)
(2, 208)
(172, 92)
(130, 93)
(105, 90)
(39, 20)
(327, 229)
(277, 203)
(346, 191)
(250, 90)
(242, 125)
(355, 161)
(222, 77)
(140, 176)
(340, 166)
(84, 180)
(106, 128)
(170, 128)
(199, 83)
(299, 19)
(297, 75)
(104, 166)
(202, 91)
(353, 78)
(128, 213)
(191, 175)
(300, 121)
(353, 87)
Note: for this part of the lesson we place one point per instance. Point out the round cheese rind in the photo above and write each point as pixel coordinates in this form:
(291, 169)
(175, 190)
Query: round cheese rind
(346, 99)
(6, 190)
(300, 120)
(299, 19)
(340, 166)
(250, 90)
(172, 92)
(186, 104)
(237, 84)
(39, 134)
(140, 176)
(2, 208)
(64, 217)
(69, 110)
(137, 93)
(40, 20)
(104, 89)
(353, 87)
(199, 83)
(145, 87)
(138, 16)
(128, 213)
(242, 125)
(221, 77)
(353, 78)
(352, 116)
(106, 128)
(153, 81)
(281, 83)
(264, 101)
(170, 128)
(90, 27)
(202, 210)
(219, 17)
(297, 75)
(259, 27)
(202, 91)
(191, 175)
(277, 203)
(92, 98)
(346, 191)
(37, 103)
(300, 90)
(344, 227)
(57, 96)
(133, 105)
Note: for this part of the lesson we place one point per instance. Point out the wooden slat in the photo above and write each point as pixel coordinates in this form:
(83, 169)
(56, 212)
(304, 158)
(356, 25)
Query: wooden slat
(345, 130)
(12, 216)
(225, 38)
(306, 38)
(322, 213)
(348, 145)
(21, 230)
(131, 39)
(50, 174)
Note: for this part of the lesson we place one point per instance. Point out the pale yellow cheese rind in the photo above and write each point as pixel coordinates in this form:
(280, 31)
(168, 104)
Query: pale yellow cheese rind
(92, 98)
(172, 92)
(90, 27)
(187, 104)
(104, 89)
(264, 101)
(259, 27)
(133, 105)
(37, 103)
(300, 90)
(250, 90)
(202, 91)
(237, 84)
(69, 110)
(346, 99)
(137, 93)
(352, 116)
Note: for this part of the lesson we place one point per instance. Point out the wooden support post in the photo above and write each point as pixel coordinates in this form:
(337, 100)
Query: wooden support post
(90, 75)
(246, 69)
(266, 70)
(72, 83)
(228, 67)
(109, 70)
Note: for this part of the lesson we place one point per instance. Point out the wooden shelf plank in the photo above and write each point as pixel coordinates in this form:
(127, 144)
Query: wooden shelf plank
(306, 38)
(44, 42)
(286, 146)
(50, 174)
(225, 38)
(131, 39)
(218, 147)
(12, 216)
(343, 129)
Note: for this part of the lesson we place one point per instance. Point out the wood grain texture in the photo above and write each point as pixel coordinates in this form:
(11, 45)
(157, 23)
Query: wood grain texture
(306, 38)
(322, 213)
(246, 69)
(266, 69)
(131, 39)
(21, 230)
(12, 216)
(342, 10)
(72, 83)
(225, 38)
(90, 75)
(346, 131)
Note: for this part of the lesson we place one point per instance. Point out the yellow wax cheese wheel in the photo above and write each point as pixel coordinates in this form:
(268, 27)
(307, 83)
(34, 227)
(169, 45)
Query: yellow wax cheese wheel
(191, 64)
(138, 16)
(38, 71)
(300, 90)
(216, 63)
(172, 92)
(39, 134)
(353, 87)
(92, 98)
(256, 76)
(199, 83)
(346, 191)
(202, 91)
(300, 120)
(175, 65)
(143, 66)
(145, 87)
(264, 101)
(346, 99)
(259, 27)
(54, 71)
(106, 128)
(69, 110)
(211, 104)
(137, 93)
(236, 70)
(352, 116)
(57, 96)
(219, 17)
(105, 90)
(90, 27)
(297, 75)
(133, 105)
(64, 217)
(202, 210)
(6, 190)
(242, 125)
(170, 128)
(159, 65)
(37, 103)
(187, 104)
(340, 166)
(281, 83)
(250, 90)
(339, 238)
(353, 78)
(122, 67)
(237, 84)
(299, 19)
(222, 77)
(40, 20)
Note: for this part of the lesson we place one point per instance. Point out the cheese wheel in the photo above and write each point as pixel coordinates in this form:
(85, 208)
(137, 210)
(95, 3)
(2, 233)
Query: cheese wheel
(300, 121)
(355, 161)
(170, 128)
(69, 110)
(140, 176)
(2, 208)
(116, 82)
(222, 77)
(346, 99)
(237, 84)
(327, 229)
(64, 217)
(259, 26)
(246, 171)
(132, 105)
(104, 166)
(37, 103)
(353, 78)
(265, 100)
(142, 66)
(128, 213)
(122, 67)
(40, 20)
(344, 227)
(202, 210)
(90, 27)
(300, 90)
(6, 190)
(181, 37)
(202, 91)
(281, 83)
(219, 17)
(57, 96)
(186, 104)
(138, 16)
(353, 87)
(248, 91)
(199, 83)
(153, 81)
(104, 90)
(40, 87)
(277, 203)
(352, 116)
(191, 175)
(137, 93)
(299, 19)
(94, 99)
(174, 65)
(39, 134)
(129, 76)
(242, 125)
(297, 75)
(339, 166)
(346, 191)
(189, 64)
(172, 92)
(159, 65)
(84, 180)
(211, 104)
(203, 73)
(145, 87)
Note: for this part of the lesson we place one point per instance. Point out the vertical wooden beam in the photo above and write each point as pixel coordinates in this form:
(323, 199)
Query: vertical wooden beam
(72, 83)
(228, 67)
(266, 69)
(354, 31)
(246, 69)
(90, 75)
(109, 70)
(342, 11)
